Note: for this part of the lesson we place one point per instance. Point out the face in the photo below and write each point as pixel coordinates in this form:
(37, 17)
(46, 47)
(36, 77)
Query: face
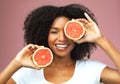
(57, 41)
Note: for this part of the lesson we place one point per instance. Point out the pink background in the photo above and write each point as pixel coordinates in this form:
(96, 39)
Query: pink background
(13, 13)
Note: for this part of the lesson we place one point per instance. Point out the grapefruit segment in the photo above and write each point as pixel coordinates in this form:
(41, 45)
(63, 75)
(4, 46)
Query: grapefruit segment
(42, 57)
(74, 29)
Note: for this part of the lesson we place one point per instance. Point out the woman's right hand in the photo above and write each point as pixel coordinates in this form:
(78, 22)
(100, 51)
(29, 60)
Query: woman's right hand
(24, 57)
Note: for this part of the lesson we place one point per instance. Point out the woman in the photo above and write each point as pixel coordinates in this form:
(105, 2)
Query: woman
(45, 26)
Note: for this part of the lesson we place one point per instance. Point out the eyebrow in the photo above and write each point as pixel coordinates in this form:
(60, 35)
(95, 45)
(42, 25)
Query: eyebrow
(54, 28)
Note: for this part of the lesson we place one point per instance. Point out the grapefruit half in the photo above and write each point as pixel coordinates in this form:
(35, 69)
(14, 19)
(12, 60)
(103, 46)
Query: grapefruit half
(74, 29)
(42, 57)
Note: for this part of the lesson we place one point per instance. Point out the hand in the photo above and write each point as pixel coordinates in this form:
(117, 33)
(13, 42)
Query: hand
(24, 57)
(92, 31)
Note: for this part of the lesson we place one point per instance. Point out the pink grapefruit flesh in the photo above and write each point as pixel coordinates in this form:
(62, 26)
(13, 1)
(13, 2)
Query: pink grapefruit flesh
(42, 57)
(74, 30)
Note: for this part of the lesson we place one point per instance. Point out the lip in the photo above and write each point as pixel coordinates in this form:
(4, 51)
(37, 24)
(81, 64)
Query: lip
(61, 46)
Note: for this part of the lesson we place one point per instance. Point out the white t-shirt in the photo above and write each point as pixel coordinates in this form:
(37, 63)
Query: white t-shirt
(86, 72)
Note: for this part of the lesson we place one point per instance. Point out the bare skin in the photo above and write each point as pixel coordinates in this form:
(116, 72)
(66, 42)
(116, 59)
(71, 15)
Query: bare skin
(59, 65)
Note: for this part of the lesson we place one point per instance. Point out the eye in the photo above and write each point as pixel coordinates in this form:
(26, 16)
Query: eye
(54, 30)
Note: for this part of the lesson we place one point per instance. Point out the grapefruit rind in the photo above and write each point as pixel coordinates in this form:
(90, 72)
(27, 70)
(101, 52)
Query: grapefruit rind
(74, 38)
(48, 61)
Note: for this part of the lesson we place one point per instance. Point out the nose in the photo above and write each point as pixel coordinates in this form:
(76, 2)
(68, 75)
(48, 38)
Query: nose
(62, 37)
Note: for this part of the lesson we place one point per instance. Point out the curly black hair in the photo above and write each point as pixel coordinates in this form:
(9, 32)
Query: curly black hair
(39, 21)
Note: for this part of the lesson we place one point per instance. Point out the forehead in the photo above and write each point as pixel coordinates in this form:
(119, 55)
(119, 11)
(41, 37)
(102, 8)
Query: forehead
(60, 21)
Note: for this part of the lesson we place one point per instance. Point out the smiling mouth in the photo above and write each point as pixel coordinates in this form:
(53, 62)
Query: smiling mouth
(61, 46)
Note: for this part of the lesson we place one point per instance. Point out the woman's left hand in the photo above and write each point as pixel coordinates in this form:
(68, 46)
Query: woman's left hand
(92, 32)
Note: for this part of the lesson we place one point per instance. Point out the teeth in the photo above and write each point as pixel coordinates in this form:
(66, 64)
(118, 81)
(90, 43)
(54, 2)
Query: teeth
(62, 46)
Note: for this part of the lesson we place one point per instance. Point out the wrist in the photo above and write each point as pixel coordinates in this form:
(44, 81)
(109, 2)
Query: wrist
(16, 64)
(100, 40)
(11, 68)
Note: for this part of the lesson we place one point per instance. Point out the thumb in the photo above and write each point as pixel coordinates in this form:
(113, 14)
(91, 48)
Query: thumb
(35, 67)
(80, 40)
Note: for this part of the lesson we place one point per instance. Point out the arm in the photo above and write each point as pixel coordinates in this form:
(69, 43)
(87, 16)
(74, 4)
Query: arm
(93, 34)
(112, 52)
(109, 75)
(8, 71)
(23, 59)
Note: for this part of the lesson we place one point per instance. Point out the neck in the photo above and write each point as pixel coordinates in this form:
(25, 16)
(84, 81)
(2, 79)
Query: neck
(62, 61)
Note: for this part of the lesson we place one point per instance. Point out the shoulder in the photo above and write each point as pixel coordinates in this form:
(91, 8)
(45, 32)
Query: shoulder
(29, 73)
(110, 75)
(89, 70)
(88, 63)
(90, 66)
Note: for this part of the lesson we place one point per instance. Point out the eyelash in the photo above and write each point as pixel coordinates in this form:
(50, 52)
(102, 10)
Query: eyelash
(54, 32)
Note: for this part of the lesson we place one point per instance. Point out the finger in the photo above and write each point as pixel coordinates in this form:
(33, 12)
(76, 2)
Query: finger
(82, 20)
(37, 46)
(35, 67)
(33, 47)
(88, 17)
(29, 63)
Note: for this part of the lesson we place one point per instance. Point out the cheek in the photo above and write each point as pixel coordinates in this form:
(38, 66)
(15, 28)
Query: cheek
(51, 39)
